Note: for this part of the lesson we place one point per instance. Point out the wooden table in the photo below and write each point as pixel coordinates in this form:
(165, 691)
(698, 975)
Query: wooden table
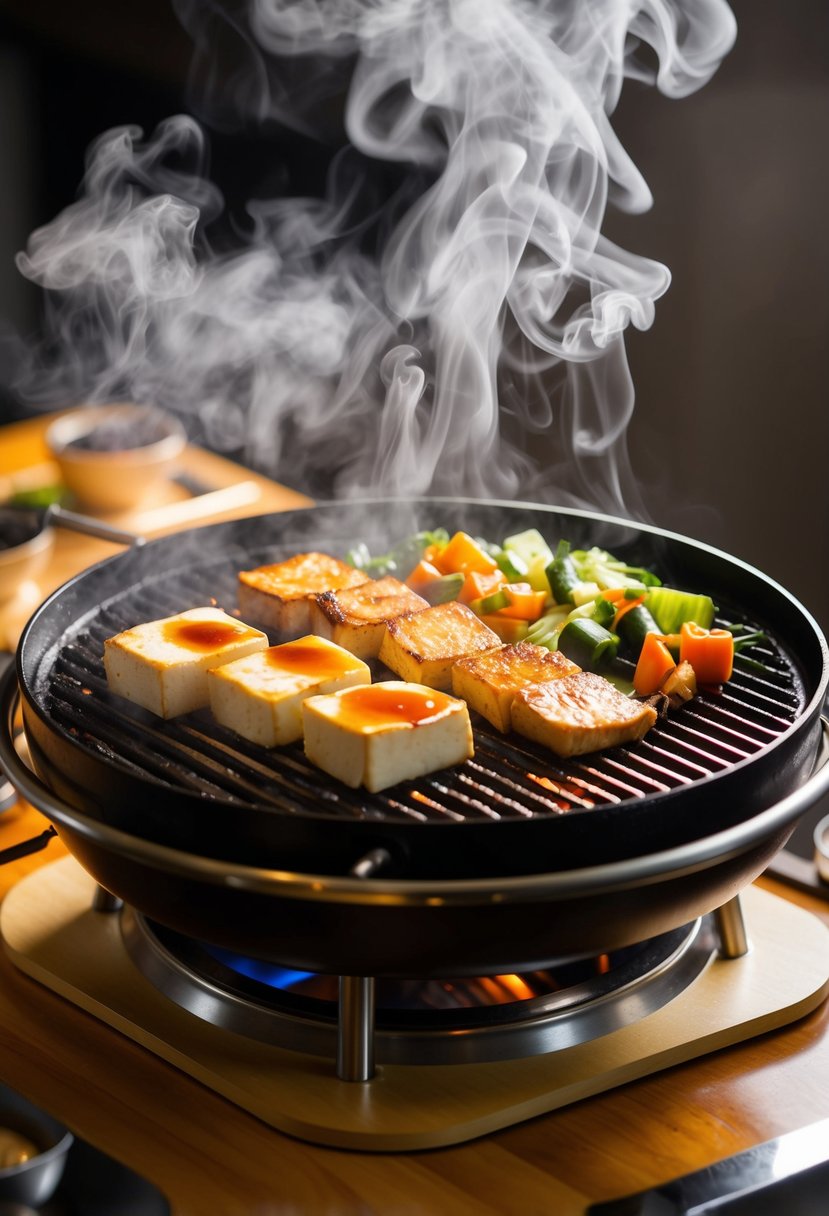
(208, 1156)
(227, 492)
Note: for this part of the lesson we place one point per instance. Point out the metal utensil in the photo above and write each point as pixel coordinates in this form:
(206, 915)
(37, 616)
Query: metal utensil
(788, 1174)
(31, 533)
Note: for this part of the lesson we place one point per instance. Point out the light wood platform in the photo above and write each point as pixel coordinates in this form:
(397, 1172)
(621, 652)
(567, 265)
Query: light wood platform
(51, 933)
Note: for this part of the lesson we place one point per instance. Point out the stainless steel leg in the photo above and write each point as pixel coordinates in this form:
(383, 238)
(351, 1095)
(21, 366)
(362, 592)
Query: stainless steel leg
(731, 929)
(355, 1030)
(105, 901)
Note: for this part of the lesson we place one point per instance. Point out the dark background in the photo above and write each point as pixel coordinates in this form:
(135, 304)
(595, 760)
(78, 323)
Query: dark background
(730, 435)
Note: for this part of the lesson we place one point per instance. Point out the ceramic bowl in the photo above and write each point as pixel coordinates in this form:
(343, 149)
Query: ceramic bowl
(34, 1181)
(111, 457)
(19, 562)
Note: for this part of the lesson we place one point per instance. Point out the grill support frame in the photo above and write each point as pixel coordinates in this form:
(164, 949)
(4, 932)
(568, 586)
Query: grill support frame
(387, 926)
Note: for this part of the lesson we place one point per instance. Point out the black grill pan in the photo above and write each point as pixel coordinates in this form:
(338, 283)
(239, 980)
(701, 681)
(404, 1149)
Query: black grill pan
(514, 809)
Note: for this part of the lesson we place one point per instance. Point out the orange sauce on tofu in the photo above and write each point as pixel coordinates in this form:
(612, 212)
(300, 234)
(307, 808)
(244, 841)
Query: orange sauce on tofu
(373, 705)
(204, 636)
(303, 658)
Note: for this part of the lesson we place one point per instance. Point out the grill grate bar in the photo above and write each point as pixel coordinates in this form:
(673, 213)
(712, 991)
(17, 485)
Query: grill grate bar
(508, 778)
(653, 776)
(678, 767)
(771, 717)
(483, 781)
(731, 726)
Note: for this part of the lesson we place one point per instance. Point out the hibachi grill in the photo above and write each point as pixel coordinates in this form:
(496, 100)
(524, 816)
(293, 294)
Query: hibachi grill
(476, 889)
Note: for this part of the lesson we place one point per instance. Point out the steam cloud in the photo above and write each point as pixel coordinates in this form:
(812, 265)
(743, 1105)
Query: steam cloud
(467, 337)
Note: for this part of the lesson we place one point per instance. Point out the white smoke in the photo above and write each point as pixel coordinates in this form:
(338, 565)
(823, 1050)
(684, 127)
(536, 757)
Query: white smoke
(477, 346)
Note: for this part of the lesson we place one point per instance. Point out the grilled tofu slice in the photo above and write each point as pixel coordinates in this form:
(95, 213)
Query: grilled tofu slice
(488, 682)
(424, 647)
(279, 596)
(260, 696)
(163, 665)
(384, 733)
(579, 713)
(356, 617)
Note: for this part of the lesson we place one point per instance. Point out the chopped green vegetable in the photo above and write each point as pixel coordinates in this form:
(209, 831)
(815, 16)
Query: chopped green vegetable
(561, 574)
(603, 611)
(743, 639)
(535, 553)
(400, 560)
(491, 603)
(442, 589)
(512, 565)
(587, 643)
(598, 566)
(672, 608)
(41, 496)
(747, 639)
(545, 631)
(359, 557)
(634, 626)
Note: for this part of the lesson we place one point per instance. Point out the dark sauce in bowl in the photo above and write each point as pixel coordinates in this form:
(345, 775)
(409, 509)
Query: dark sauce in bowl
(121, 434)
(17, 527)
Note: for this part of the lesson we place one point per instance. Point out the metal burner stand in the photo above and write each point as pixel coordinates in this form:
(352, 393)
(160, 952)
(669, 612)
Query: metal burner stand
(656, 972)
(52, 934)
(356, 1012)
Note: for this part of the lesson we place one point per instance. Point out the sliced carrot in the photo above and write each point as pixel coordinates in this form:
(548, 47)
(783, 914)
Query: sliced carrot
(655, 663)
(709, 651)
(422, 576)
(509, 629)
(624, 606)
(525, 604)
(477, 585)
(463, 554)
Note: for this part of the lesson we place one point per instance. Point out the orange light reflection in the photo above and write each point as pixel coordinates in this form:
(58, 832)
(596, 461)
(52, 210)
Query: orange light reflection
(517, 987)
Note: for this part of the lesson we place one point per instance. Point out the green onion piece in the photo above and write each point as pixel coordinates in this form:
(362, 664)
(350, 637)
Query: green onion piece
(753, 664)
(512, 565)
(598, 566)
(548, 640)
(401, 559)
(561, 574)
(442, 589)
(491, 603)
(532, 549)
(604, 611)
(359, 557)
(587, 643)
(748, 639)
(634, 626)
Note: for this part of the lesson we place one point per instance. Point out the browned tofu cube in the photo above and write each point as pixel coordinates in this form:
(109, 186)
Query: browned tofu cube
(578, 714)
(488, 682)
(279, 596)
(384, 733)
(163, 665)
(424, 647)
(260, 696)
(356, 617)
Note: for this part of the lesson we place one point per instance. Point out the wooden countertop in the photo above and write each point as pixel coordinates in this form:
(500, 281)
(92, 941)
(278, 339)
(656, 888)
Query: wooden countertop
(227, 492)
(208, 1156)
